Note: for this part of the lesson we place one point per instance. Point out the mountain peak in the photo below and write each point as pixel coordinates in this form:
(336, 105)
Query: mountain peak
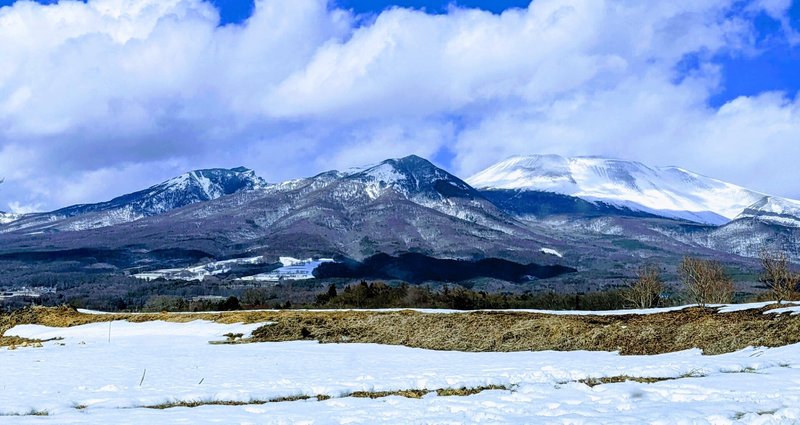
(412, 176)
(411, 160)
(666, 191)
(782, 211)
(214, 182)
(186, 189)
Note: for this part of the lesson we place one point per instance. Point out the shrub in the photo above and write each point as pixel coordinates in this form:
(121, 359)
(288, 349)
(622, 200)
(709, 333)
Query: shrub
(165, 303)
(781, 280)
(705, 281)
(645, 291)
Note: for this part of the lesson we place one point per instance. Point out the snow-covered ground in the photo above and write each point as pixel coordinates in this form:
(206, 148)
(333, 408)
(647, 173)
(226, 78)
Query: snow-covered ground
(85, 378)
(292, 269)
(551, 251)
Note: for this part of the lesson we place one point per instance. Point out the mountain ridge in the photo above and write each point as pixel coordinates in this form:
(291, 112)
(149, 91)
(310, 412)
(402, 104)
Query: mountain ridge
(670, 191)
(185, 189)
(396, 206)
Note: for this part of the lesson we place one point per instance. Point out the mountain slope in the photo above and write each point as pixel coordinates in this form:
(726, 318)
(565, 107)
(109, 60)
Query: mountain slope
(400, 205)
(538, 205)
(666, 191)
(186, 189)
(780, 211)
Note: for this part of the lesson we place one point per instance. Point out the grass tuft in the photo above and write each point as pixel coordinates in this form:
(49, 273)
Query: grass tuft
(382, 394)
(415, 394)
(464, 391)
(32, 412)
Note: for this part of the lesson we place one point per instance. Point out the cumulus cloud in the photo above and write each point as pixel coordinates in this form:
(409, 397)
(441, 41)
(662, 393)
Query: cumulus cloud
(105, 97)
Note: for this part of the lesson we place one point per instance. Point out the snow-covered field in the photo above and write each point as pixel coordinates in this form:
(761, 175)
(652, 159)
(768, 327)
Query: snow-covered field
(87, 378)
(292, 269)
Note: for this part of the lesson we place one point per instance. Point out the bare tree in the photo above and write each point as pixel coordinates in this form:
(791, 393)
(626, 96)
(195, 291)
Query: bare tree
(645, 290)
(705, 281)
(782, 281)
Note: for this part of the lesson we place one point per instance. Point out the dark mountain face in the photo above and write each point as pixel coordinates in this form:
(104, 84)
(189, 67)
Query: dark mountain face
(537, 205)
(417, 268)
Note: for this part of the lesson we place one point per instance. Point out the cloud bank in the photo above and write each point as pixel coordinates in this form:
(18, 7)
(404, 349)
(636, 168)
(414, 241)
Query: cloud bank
(105, 97)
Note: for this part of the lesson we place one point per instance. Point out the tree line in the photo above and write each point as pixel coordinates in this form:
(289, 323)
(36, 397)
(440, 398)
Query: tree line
(706, 282)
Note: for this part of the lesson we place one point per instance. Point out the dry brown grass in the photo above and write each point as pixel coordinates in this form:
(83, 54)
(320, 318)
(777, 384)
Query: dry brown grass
(415, 394)
(593, 382)
(31, 412)
(198, 403)
(382, 394)
(702, 328)
(464, 391)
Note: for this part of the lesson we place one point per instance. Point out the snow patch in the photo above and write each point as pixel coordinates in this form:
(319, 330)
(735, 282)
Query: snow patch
(293, 269)
(6, 218)
(199, 272)
(551, 251)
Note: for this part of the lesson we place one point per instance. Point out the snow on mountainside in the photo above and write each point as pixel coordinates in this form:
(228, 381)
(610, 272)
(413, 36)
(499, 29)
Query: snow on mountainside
(667, 191)
(186, 189)
(8, 217)
(413, 177)
(785, 212)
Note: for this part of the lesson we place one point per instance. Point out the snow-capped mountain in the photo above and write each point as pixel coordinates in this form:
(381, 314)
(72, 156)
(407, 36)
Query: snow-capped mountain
(417, 180)
(595, 213)
(413, 177)
(186, 189)
(398, 206)
(666, 191)
(781, 211)
(8, 217)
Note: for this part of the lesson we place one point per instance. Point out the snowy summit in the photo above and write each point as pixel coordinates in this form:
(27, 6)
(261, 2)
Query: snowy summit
(666, 191)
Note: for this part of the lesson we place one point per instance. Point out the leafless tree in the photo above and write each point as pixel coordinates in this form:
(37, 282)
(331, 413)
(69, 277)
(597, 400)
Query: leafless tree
(705, 281)
(645, 290)
(782, 281)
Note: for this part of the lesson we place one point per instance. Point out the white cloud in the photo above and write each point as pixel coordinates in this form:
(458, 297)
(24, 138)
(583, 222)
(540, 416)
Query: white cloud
(17, 208)
(109, 96)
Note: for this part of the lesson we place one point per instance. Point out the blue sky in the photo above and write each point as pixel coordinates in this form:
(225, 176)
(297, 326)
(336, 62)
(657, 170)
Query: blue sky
(111, 97)
(775, 67)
